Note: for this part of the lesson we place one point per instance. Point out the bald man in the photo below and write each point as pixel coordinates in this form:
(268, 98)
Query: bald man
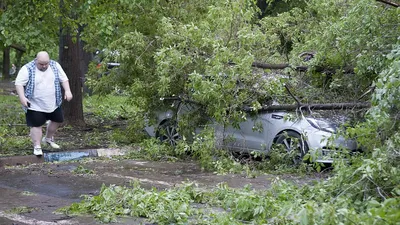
(38, 85)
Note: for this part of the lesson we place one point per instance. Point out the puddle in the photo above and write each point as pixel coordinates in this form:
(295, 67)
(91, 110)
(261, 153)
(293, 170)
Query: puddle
(67, 156)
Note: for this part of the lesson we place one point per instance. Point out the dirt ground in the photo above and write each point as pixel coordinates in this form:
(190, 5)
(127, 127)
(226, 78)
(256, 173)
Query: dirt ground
(30, 194)
(6, 87)
(43, 188)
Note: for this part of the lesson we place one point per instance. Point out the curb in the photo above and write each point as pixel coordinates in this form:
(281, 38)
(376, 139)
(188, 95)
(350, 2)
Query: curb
(59, 156)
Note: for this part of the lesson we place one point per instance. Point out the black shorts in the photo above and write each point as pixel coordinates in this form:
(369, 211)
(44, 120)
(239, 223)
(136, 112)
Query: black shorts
(37, 119)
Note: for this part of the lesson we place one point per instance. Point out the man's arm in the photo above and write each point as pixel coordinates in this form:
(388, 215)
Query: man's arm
(21, 94)
(67, 90)
(20, 81)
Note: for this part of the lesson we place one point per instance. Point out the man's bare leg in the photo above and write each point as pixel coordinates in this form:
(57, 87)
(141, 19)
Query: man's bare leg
(51, 129)
(36, 136)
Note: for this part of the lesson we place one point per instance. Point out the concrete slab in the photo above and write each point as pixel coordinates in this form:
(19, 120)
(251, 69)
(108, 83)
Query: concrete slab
(59, 156)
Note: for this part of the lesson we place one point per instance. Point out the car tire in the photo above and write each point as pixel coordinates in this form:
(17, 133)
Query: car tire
(292, 140)
(167, 132)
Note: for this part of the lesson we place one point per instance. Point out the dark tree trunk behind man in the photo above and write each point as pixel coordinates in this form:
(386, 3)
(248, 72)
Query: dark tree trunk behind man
(6, 63)
(70, 56)
(74, 63)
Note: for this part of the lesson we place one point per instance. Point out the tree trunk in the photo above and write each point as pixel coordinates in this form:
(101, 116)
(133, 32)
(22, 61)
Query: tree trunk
(70, 53)
(18, 62)
(86, 58)
(6, 63)
(19, 52)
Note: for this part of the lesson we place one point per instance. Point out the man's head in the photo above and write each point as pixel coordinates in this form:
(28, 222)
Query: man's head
(42, 60)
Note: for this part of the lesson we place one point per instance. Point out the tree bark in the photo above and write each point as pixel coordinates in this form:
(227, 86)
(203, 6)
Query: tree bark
(70, 61)
(86, 58)
(69, 58)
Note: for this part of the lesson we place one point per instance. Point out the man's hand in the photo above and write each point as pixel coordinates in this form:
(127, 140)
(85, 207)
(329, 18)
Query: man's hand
(24, 101)
(20, 91)
(68, 96)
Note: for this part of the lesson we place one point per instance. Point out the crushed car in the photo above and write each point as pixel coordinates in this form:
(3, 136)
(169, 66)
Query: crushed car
(260, 132)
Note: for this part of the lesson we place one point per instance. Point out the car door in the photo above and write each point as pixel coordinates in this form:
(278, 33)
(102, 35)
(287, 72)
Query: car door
(249, 135)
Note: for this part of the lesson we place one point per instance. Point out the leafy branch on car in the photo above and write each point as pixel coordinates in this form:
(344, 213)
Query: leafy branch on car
(299, 105)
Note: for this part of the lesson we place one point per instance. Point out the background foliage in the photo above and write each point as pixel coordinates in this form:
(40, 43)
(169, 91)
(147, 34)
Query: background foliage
(204, 50)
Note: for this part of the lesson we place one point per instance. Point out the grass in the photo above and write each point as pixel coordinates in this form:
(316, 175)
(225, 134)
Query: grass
(22, 210)
(105, 126)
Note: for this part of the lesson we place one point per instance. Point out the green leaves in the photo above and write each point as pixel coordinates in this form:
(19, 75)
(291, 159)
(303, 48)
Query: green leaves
(34, 25)
(13, 129)
(282, 204)
(164, 207)
(204, 50)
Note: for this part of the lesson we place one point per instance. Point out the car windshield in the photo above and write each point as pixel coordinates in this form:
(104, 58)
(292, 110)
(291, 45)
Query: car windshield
(335, 119)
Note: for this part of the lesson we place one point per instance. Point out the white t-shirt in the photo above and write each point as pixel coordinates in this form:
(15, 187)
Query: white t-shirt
(44, 92)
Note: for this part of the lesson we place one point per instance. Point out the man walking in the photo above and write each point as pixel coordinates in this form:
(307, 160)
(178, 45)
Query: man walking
(39, 91)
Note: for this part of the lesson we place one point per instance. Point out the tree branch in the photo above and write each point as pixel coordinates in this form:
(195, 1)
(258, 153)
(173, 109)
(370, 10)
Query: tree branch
(270, 66)
(291, 94)
(325, 106)
(299, 68)
(389, 3)
(19, 48)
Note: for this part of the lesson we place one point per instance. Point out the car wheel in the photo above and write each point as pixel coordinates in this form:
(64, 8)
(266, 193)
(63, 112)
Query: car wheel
(168, 133)
(294, 144)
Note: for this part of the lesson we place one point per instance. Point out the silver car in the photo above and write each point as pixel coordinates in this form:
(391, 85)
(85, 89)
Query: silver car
(261, 131)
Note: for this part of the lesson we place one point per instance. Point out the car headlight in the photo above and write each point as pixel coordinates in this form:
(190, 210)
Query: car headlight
(322, 125)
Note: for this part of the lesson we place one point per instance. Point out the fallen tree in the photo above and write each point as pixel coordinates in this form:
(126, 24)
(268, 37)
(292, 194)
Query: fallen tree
(324, 106)
(290, 107)
(261, 65)
(300, 106)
